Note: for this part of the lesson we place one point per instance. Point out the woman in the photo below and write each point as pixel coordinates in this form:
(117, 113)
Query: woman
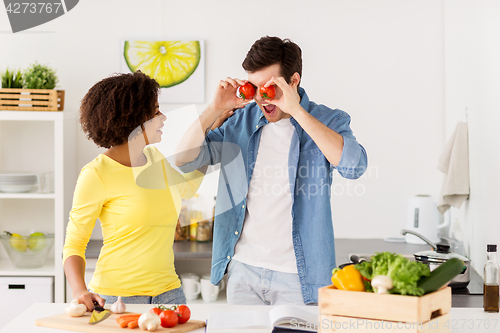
(133, 191)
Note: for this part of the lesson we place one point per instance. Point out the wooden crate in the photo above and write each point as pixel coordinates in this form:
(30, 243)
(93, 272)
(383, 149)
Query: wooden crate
(397, 308)
(340, 324)
(31, 99)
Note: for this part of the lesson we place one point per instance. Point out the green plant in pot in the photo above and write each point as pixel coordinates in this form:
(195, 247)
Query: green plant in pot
(39, 77)
(12, 79)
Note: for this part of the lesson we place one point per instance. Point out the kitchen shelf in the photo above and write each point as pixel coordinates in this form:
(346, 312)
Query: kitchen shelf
(44, 142)
(8, 269)
(31, 115)
(29, 195)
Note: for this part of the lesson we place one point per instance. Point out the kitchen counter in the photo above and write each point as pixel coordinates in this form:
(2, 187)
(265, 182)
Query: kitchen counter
(343, 249)
(461, 299)
(461, 320)
(182, 250)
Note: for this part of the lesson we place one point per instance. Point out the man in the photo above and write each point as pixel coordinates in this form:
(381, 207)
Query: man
(274, 232)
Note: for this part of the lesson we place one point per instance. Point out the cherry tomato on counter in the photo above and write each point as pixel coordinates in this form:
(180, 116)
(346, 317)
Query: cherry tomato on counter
(156, 310)
(184, 313)
(169, 318)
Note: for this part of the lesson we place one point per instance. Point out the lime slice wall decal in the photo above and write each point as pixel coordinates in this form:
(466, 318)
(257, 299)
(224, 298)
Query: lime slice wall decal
(178, 67)
(26, 14)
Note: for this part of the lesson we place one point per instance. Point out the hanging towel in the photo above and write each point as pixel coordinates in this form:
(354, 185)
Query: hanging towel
(454, 162)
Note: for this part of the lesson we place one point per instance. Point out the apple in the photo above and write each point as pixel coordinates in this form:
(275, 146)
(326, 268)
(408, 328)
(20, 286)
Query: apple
(37, 241)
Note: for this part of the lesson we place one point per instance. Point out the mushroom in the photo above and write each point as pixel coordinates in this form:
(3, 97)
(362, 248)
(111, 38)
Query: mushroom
(382, 283)
(149, 321)
(75, 309)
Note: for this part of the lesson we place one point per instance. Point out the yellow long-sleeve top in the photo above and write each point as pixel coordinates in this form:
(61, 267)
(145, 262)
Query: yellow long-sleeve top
(138, 208)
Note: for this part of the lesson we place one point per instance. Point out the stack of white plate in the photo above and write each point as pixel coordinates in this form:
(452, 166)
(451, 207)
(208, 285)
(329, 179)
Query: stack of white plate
(17, 182)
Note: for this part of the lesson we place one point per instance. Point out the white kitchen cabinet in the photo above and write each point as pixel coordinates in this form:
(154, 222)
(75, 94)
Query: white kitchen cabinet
(38, 142)
(19, 293)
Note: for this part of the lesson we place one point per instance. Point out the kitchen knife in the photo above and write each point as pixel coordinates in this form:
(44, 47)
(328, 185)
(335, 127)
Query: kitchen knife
(99, 314)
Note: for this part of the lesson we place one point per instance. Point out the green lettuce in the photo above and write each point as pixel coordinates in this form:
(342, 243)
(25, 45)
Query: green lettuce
(403, 272)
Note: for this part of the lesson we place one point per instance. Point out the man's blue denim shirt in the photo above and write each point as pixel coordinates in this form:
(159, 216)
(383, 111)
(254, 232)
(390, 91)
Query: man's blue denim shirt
(235, 145)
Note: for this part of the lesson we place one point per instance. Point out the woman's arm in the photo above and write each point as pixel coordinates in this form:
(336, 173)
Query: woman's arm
(221, 107)
(74, 268)
(88, 200)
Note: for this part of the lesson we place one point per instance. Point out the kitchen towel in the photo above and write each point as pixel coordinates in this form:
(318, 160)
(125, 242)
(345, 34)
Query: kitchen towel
(454, 162)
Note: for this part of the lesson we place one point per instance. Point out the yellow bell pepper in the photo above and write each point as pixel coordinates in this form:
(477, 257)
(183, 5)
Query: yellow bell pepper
(348, 278)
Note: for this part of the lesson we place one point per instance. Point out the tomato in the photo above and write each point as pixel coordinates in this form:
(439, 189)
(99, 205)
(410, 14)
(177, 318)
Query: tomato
(246, 91)
(267, 92)
(184, 313)
(169, 318)
(156, 310)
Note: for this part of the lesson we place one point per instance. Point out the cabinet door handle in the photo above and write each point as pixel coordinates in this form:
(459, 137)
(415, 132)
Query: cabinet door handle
(17, 286)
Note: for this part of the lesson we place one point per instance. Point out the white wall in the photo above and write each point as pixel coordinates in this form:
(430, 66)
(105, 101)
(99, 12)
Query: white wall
(380, 61)
(472, 50)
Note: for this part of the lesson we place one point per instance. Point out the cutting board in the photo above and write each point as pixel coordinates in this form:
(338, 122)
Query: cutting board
(81, 324)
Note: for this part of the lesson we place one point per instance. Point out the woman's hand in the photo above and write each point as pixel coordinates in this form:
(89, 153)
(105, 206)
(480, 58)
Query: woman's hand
(88, 298)
(222, 119)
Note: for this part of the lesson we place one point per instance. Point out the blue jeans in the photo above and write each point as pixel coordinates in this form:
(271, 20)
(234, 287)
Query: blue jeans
(174, 296)
(250, 285)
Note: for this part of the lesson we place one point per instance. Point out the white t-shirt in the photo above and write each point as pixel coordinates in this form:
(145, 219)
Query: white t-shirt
(266, 238)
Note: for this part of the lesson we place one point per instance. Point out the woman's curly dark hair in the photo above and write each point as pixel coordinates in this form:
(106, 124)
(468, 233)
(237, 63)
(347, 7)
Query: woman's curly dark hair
(117, 105)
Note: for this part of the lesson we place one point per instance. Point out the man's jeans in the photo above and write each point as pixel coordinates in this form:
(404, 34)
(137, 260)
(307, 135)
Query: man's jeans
(252, 285)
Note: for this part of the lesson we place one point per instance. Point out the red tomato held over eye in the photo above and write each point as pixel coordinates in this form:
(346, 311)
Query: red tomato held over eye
(169, 318)
(267, 92)
(156, 310)
(184, 313)
(246, 91)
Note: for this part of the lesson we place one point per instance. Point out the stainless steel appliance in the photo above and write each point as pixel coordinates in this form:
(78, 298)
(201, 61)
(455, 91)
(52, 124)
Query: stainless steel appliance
(439, 254)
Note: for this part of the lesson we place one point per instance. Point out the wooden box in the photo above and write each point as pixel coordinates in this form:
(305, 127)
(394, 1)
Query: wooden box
(340, 324)
(31, 99)
(339, 306)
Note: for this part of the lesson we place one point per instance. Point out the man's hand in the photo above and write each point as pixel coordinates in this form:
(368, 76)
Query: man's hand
(225, 99)
(289, 101)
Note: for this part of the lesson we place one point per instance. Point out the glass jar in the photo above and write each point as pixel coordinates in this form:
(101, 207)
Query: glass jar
(182, 228)
(195, 215)
(204, 231)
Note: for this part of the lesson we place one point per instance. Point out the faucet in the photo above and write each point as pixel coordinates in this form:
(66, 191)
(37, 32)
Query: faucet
(440, 248)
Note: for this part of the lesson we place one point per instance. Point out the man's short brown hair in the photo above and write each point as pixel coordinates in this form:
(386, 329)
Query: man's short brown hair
(116, 106)
(268, 51)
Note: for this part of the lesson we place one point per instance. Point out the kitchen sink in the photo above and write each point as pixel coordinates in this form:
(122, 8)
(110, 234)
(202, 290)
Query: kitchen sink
(367, 256)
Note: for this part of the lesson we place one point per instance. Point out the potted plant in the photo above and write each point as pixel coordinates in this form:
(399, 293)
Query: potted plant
(37, 93)
(39, 77)
(12, 79)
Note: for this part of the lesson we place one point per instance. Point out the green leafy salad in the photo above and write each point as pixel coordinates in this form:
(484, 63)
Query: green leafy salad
(403, 272)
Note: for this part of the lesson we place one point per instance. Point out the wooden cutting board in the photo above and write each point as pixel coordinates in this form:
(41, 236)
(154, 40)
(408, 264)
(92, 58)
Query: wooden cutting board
(81, 324)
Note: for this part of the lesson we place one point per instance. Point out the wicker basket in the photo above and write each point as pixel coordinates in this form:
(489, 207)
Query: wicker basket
(31, 99)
